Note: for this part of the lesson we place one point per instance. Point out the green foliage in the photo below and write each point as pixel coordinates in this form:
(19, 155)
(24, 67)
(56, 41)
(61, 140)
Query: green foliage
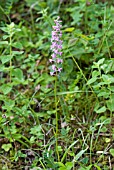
(8, 6)
(112, 152)
(6, 147)
(58, 123)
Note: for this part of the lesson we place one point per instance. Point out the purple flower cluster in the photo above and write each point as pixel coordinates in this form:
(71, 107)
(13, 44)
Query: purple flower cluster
(56, 48)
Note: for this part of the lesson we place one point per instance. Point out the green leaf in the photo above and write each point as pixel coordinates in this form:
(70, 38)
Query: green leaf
(60, 164)
(80, 154)
(69, 65)
(101, 110)
(107, 140)
(92, 80)
(17, 53)
(110, 103)
(5, 37)
(17, 45)
(9, 104)
(95, 73)
(18, 73)
(86, 168)
(111, 88)
(108, 78)
(69, 29)
(96, 64)
(101, 61)
(76, 15)
(3, 42)
(6, 58)
(104, 129)
(105, 120)
(2, 68)
(5, 29)
(104, 92)
(69, 165)
(6, 88)
(85, 160)
(112, 152)
(62, 168)
(6, 147)
(98, 168)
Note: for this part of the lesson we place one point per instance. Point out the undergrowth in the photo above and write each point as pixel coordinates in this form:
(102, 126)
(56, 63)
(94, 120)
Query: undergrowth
(64, 121)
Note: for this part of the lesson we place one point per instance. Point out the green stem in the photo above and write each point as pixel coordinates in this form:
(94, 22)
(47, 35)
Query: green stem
(67, 150)
(32, 20)
(10, 59)
(10, 39)
(42, 164)
(86, 19)
(56, 133)
(83, 75)
(91, 145)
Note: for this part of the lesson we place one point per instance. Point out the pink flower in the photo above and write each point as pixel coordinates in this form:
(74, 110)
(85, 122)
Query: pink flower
(51, 73)
(54, 33)
(59, 69)
(56, 48)
(60, 53)
(55, 51)
(59, 47)
(59, 60)
(53, 67)
(53, 45)
(53, 55)
(50, 60)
